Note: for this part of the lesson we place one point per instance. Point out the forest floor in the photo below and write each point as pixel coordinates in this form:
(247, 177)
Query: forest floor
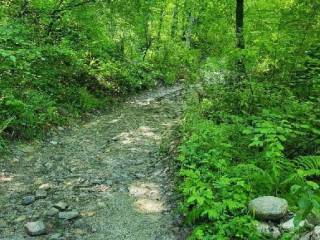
(108, 170)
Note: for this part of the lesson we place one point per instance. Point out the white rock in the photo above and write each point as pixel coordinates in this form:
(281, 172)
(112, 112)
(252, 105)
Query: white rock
(35, 228)
(316, 233)
(288, 226)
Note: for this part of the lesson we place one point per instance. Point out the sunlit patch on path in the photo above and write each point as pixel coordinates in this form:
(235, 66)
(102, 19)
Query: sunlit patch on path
(140, 134)
(148, 199)
(149, 206)
(5, 177)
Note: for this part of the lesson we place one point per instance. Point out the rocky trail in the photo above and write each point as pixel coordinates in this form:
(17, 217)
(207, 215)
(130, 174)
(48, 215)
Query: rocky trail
(104, 179)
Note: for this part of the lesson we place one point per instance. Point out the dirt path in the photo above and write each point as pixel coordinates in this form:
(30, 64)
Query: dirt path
(108, 169)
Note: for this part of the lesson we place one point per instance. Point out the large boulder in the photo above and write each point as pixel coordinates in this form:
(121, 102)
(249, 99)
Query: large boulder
(268, 208)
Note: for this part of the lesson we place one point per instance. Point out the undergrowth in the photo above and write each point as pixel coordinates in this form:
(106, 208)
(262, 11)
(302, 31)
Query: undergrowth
(232, 152)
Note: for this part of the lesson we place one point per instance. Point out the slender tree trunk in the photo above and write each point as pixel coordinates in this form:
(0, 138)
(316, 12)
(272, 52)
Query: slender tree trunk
(239, 24)
(240, 35)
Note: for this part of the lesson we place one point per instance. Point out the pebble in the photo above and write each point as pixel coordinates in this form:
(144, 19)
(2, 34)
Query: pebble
(60, 128)
(35, 228)
(52, 212)
(68, 215)
(20, 219)
(288, 226)
(27, 200)
(41, 194)
(45, 186)
(61, 206)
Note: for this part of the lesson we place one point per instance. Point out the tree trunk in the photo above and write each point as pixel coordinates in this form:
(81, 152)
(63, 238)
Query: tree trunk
(239, 24)
(240, 36)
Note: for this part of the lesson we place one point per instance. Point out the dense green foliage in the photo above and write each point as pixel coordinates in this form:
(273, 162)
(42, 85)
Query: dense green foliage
(62, 57)
(250, 131)
(257, 134)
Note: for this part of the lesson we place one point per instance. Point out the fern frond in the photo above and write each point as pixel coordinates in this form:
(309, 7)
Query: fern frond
(307, 162)
(304, 168)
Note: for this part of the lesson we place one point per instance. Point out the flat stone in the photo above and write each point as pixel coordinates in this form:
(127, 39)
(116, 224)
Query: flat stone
(69, 215)
(41, 194)
(20, 219)
(268, 208)
(52, 212)
(62, 206)
(35, 228)
(27, 200)
(45, 186)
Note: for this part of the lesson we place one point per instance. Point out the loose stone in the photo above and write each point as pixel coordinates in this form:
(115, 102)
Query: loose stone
(69, 215)
(52, 212)
(20, 219)
(41, 194)
(62, 206)
(27, 200)
(288, 226)
(35, 228)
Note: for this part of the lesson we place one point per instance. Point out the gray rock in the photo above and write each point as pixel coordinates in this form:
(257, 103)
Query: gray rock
(27, 200)
(41, 194)
(306, 236)
(268, 231)
(20, 219)
(288, 226)
(316, 233)
(62, 206)
(35, 228)
(268, 208)
(68, 215)
(52, 212)
(313, 235)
